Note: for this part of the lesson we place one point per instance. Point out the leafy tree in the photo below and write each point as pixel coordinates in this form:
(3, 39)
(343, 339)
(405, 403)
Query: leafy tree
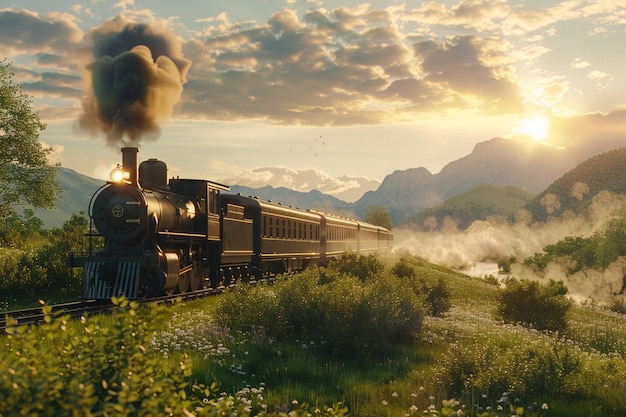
(505, 263)
(610, 240)
(25, 173)
(378, 216)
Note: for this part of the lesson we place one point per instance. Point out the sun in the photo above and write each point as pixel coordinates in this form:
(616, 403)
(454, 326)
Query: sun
(535, 127)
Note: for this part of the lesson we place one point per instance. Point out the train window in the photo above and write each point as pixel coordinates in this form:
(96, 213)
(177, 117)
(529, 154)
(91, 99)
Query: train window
(213, 201)
(264, 227)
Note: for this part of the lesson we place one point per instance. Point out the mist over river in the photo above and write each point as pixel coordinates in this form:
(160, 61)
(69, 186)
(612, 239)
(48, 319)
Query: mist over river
(481, 269)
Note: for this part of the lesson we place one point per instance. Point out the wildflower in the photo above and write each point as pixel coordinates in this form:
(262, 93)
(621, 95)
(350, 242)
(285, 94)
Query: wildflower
(385, 402)
(544, 406)
(395, 394)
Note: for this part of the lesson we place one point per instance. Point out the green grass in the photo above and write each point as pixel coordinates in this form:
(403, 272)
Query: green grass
(409, 381)
(577, 373)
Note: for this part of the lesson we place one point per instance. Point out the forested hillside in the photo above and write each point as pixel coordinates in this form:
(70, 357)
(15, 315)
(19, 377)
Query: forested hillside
(477, 204)
(574, 190)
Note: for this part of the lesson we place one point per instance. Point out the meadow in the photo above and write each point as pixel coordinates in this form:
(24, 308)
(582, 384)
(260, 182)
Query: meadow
(195, 359)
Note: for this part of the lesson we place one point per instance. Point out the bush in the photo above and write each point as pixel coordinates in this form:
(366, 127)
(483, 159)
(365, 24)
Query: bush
(41, 270)
(362, 267)
(528, 368)
(403, 269)
(343, 315)
(88, 370)
(543, 307)
(83, 369)
(434, 294)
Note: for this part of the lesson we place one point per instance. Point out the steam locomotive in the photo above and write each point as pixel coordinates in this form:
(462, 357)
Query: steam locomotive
(163, 237)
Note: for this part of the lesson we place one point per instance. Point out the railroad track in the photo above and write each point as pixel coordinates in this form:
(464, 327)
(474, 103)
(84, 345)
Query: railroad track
(36, 315)
(77, 309)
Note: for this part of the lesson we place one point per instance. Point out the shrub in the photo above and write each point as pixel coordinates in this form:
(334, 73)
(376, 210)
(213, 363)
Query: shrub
(618, 306)
(362, 267)
(403, 269)
(543, 307)
(528, 369)
(434, 294)
(343, 316)
(83, 369)
(504, 263)
(41, 270)
(438, 297)
(57, 369)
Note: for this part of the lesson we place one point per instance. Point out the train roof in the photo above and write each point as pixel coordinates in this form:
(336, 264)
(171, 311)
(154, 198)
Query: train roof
(270, 206)
(213, 184)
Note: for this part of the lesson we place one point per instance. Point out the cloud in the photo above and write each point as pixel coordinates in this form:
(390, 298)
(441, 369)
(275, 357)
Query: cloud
(334, 67)
(597, 75)
(580, 64)
(345, 188)
(24, 31)
(55, 156)
(341, 67)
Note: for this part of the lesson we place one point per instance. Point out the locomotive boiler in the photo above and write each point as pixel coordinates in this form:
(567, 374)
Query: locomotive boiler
(162, 237)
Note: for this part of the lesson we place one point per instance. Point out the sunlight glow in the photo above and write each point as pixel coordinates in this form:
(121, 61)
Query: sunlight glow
(535, 127)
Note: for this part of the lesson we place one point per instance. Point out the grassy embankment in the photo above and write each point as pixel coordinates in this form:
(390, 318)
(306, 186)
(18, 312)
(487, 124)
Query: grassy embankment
(465, 354)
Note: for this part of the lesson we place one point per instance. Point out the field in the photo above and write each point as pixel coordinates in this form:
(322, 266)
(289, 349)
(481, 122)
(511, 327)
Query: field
(464, 362)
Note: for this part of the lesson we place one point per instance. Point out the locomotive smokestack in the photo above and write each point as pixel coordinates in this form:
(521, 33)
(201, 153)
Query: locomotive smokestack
(129, 163)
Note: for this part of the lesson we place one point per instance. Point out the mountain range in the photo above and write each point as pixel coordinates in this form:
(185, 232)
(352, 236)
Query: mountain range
(527, 165)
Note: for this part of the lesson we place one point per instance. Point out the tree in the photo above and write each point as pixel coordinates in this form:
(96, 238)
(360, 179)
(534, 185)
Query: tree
(26, 176)
(379, 216)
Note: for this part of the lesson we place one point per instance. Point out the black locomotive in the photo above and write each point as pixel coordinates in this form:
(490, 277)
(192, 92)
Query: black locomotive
(162, 237)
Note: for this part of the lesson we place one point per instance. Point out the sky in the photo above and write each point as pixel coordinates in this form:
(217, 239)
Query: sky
(301, 93)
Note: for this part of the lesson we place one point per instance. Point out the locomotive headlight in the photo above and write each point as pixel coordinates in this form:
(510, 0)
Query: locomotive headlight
(191, 209)
(119, 175)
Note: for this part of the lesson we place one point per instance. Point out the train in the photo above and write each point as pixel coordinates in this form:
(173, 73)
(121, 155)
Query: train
(161, 237)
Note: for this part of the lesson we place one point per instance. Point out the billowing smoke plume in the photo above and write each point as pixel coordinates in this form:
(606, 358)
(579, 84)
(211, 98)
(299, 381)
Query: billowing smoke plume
(135, 81)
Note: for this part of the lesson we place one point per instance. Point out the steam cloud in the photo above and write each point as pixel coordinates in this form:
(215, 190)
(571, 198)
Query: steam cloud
(491, 240)
(134, 83)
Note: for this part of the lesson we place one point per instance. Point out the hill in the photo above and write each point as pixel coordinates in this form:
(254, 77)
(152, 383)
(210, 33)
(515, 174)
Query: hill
(524, 164)
(77, 190)
(575, 189)
(477, 204)
(305, 200)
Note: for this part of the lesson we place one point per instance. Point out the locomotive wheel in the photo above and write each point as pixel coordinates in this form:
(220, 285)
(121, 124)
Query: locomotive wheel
(183, 282)
(195, 280)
